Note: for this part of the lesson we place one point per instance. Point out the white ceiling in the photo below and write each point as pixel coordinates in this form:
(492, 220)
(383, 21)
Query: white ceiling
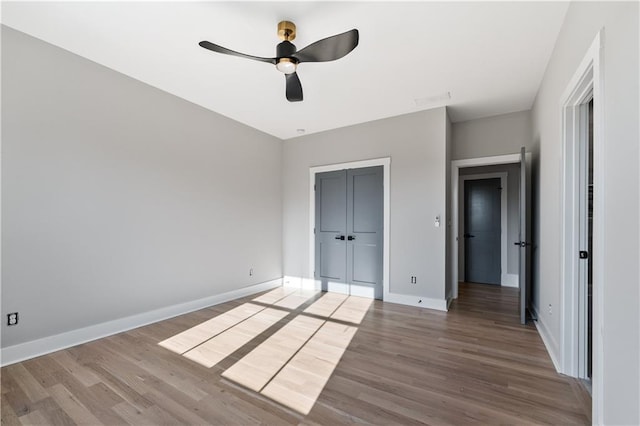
(490, 56)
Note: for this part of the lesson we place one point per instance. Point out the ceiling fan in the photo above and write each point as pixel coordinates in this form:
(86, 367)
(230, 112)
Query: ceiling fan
(287, 57)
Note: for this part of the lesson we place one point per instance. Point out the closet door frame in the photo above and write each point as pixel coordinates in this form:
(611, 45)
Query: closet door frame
(386, 166)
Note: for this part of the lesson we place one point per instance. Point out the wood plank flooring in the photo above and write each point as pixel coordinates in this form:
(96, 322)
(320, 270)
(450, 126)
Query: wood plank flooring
(404, 365)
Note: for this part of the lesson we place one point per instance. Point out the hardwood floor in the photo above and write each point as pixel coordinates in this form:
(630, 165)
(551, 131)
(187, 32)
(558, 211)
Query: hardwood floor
(404, 365)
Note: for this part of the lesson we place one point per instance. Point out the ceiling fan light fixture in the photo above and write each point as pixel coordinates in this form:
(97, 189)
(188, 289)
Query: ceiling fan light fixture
(288, 56)
(286, 65)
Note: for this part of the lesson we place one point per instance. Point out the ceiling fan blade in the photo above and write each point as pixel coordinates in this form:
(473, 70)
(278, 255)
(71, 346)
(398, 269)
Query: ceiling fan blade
(330, 48)
(294, 87)
(224, 50)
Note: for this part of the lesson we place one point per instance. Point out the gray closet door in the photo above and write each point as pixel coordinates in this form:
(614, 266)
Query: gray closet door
(331, 230)
(349, 206)
(482, 231)
(364, 231)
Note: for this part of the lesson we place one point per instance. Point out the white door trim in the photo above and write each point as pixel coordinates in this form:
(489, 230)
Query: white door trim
(386, 166)
(456, 165)
(586, 84)
(503, 176)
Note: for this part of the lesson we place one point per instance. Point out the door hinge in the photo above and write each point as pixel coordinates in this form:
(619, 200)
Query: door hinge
(314, 186)
(314, 231)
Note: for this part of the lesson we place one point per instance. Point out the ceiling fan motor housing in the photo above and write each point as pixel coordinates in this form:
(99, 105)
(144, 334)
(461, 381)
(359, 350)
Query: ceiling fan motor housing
(285, 49)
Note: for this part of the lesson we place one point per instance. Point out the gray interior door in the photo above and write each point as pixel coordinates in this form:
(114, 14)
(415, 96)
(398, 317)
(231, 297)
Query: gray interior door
(482, 251)
(364, 231)
(525, 235)
(331, 231)
(349, 210)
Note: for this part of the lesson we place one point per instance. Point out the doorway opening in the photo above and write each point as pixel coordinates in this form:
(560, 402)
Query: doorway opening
(505, 194)
(511, 256)
(590, 248)
(582, 226)
(587, 242)
(579, 250)
(583, 247)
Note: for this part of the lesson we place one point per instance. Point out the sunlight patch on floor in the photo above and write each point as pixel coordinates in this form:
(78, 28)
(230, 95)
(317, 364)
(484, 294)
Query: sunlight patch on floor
(352, 310)
(296, 299)
(224, 344)
(301, 381)
(294, 364)
(256, 369)
(274, 295)
(181, 343)
(189, 339)
(326, 305)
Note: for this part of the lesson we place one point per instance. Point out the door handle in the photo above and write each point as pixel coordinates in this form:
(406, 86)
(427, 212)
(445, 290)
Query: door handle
(340, 237)
(521, 244)
(469, 236)
(351, 237)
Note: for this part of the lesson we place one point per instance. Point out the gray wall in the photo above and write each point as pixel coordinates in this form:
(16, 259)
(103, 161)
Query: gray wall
(621, 187)
(416, 144)
(498, 135)
(513, 212)
(118, 198)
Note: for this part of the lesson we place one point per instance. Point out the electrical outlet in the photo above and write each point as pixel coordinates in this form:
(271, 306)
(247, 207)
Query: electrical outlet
(414, 280)
(250, 272)
(12, 318)
(550, 310)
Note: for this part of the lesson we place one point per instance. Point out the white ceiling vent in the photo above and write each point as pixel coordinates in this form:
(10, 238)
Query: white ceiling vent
(440, 99)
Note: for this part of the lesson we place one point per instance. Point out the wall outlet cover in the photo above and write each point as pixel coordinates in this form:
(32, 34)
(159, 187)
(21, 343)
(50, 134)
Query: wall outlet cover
(12, 318)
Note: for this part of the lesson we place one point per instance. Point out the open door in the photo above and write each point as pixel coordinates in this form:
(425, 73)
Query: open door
(525, 236)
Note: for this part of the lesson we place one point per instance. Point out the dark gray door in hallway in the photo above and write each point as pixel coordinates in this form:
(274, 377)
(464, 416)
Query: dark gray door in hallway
(348, 246)
(482, 231)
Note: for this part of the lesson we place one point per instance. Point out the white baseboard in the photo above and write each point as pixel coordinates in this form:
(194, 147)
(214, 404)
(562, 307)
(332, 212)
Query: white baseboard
(45, 345)
(510, 280)
(449, 300)
(402, 299)
(547, 339)
(420, 302)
